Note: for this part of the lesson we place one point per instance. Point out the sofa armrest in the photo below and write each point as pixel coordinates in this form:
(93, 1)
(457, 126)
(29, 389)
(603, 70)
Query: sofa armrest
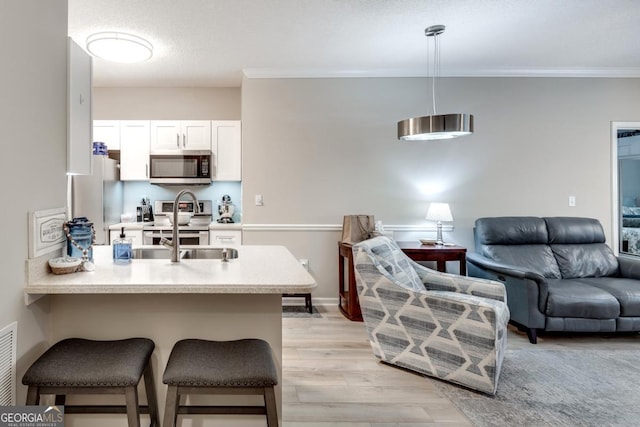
(438, 281)
(629, 267)
(499, 268)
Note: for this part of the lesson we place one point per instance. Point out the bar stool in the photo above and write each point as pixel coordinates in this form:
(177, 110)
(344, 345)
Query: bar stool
(81, 366)
(241, 367)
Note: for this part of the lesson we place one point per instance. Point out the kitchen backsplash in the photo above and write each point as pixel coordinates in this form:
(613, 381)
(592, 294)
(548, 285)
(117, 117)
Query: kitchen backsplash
(135, 191)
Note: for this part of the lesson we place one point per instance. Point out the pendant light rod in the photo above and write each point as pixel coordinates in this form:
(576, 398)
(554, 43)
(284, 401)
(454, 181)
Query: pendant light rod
(444, 126)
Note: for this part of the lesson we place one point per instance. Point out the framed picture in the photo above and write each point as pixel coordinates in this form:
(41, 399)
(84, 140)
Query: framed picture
(46, 232)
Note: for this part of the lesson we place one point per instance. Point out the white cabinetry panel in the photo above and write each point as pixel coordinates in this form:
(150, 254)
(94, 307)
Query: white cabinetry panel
(134, 150)
(107, 131)
(180, 135)
(226, 146)
(79, 126)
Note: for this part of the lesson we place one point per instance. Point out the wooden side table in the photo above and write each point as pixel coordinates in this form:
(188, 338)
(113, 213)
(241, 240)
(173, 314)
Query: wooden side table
(440, 254)
(348, 303)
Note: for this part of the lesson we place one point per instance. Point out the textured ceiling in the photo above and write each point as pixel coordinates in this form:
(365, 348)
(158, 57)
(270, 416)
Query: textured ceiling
(213, 42)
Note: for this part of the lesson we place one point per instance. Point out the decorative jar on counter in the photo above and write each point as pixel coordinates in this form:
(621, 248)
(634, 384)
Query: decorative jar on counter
(80, 238)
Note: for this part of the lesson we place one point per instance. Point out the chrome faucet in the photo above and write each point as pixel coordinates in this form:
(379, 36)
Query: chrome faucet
(174, 243)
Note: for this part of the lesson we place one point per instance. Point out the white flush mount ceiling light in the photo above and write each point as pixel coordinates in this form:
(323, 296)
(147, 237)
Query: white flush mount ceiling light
(119, 47)
(443, 126)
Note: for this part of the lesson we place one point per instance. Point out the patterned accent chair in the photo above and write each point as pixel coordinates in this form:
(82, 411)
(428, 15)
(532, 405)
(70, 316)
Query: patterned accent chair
(443, 325)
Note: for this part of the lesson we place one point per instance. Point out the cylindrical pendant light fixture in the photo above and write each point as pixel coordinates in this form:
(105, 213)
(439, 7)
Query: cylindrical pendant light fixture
(435, 126)
(444, 126)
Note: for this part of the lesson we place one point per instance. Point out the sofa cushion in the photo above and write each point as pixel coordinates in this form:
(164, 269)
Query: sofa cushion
(585, 260)
(511, 230)
(567, 230)
(577, 298)
(626, 291)
(538, 258)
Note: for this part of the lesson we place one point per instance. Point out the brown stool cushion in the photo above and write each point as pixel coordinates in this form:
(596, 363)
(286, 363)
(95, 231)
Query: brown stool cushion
(240, 363)
(77, 362)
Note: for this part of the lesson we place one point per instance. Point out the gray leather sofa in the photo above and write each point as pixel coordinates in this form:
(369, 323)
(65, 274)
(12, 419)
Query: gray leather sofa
(559, 274)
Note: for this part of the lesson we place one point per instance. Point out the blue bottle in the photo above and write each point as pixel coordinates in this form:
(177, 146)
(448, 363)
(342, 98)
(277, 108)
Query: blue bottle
(122, 253)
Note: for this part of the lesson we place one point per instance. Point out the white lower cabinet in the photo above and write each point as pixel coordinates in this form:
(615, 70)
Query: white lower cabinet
(225, 238)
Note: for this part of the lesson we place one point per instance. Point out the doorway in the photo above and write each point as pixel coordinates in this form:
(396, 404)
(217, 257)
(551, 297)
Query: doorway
(625, 144)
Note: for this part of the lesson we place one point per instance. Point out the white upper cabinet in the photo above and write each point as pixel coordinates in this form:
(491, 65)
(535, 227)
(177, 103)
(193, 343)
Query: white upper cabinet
(79, 126)
(134, 150)
(180, 135)
(107, 131)
(226, 147)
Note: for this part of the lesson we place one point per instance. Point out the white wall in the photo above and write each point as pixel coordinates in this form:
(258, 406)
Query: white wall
(33, 164)
(170, 103)
(318, 149)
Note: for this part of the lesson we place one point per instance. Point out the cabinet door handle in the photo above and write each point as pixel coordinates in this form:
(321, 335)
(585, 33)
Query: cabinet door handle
(146, 170)
(184, 140)
(178, 140)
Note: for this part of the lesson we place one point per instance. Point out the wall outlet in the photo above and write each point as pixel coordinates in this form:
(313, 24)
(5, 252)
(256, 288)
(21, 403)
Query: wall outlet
(572, 201)
(305, 263)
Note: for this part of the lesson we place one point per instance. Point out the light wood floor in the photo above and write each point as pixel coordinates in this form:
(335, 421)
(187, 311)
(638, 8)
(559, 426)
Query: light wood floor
(331, 378)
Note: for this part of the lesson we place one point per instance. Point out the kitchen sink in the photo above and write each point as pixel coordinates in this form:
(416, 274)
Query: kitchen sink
(193, 253)
(208, 253)
(151, 253)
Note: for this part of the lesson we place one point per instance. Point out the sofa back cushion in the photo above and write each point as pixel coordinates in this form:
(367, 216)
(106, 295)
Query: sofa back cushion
(579, 248)
(572, 230)
(517, 240)
(510, 230)
(538, 258)
(585, 260)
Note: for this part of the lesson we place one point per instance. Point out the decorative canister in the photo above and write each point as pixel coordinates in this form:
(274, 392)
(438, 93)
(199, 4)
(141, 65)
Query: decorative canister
(80, 238)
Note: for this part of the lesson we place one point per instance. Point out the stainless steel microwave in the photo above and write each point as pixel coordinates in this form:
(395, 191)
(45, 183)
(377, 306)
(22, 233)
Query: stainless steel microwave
(184, 167)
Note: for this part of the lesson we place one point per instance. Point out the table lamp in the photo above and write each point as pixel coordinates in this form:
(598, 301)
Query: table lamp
(439, 212)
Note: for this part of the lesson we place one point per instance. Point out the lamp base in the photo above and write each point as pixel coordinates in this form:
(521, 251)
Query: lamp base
(439, 241)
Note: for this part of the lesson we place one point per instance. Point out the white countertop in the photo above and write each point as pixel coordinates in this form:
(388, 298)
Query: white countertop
(257, 270)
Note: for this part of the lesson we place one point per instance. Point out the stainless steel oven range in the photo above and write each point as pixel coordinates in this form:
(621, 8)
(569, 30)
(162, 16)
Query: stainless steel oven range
(194, 233)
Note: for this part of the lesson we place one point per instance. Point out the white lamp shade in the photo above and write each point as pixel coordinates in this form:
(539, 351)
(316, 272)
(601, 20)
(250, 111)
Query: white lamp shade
(119, 47)
(439, 212)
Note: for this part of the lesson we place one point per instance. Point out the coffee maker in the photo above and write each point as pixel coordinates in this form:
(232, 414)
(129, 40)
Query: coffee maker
(226, 210)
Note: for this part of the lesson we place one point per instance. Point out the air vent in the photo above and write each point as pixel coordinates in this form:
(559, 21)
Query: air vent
(8, 337)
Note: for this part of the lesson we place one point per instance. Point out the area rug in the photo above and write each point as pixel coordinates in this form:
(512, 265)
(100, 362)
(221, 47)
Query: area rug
(299, 311)
(558, 388)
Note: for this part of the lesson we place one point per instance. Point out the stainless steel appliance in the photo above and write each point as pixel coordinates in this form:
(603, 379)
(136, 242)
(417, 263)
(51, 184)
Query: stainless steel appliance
(99, 196)
(226, 210)
(196, 232)
(180, 167)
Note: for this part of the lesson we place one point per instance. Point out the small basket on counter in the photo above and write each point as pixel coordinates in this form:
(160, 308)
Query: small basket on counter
(65, 265)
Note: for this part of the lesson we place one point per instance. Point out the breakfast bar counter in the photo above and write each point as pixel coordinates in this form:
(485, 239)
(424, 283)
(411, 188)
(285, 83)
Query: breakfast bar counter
(166, 302)
(257, 270)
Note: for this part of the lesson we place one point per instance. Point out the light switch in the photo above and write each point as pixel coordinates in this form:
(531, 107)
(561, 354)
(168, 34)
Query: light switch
(259, 201)
(572, 201)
